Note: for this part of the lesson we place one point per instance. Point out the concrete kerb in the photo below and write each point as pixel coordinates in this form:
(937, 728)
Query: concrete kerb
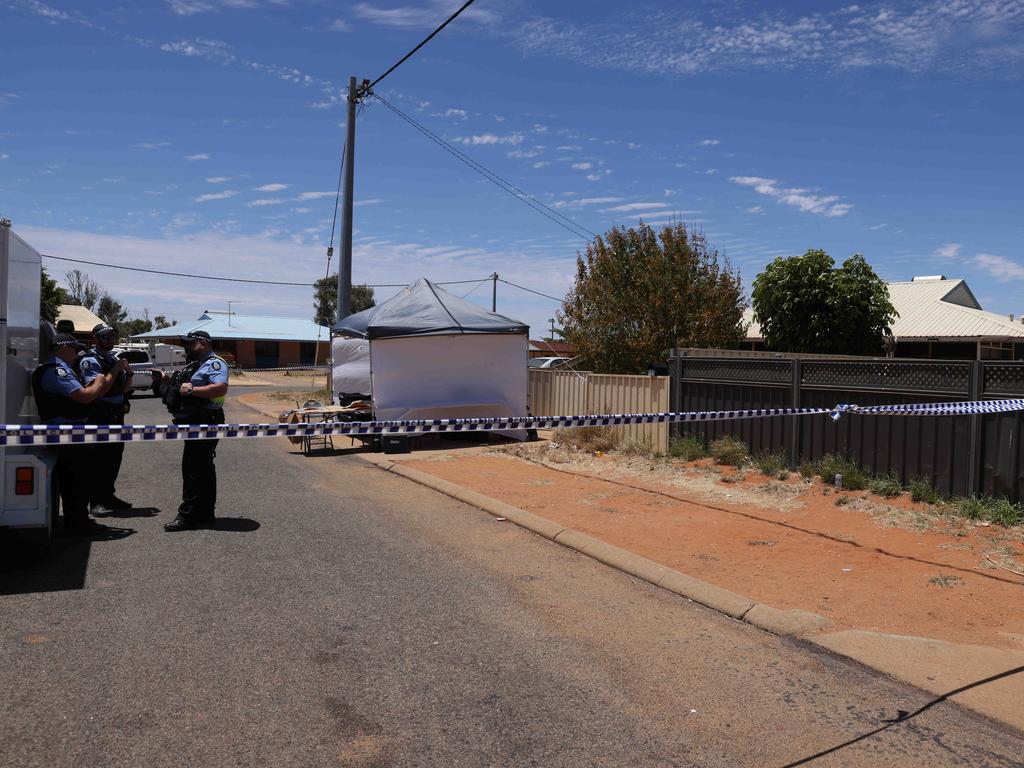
(791, 622)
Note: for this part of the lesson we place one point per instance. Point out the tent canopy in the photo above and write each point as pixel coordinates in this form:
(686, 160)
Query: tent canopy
(425, 309)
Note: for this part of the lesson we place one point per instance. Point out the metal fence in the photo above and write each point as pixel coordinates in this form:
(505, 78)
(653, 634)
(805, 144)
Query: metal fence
(960, 455)
(571, 393)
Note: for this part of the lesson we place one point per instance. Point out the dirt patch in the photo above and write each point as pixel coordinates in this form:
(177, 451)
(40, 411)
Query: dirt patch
(896, 567)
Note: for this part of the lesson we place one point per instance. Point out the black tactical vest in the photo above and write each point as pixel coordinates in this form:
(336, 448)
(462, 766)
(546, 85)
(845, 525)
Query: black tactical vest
(52, 406)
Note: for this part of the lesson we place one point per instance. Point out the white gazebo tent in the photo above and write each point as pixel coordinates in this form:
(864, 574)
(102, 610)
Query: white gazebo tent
(426, 354)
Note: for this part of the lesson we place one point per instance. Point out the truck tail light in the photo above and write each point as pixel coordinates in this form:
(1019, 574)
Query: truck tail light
(24, 481)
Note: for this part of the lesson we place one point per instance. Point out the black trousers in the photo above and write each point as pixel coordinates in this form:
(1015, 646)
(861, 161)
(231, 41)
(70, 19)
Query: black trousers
(198, 472)
(106, 457)
(73, 470)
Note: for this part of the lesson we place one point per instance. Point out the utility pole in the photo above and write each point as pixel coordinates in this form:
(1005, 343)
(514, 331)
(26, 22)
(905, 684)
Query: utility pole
(552, 321)
(494, 292)
(345, 261)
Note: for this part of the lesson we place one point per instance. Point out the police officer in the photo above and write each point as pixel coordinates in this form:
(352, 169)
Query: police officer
(62, 398)
(108, 409)
(201, 402)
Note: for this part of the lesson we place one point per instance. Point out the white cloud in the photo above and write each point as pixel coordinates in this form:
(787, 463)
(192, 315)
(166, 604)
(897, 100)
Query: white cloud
(802, 199)
(194, 7)
(152, 145)
(458, 114)
(536, 151)
(340, 25)
(275, 187)
(315, 195)
(755, 209)
(7, 98)
(371, 201)
(264, 201)
(216, 196)
(941, 35)
(541, 164)
(709, 143)
(1000, 267)
(635, 207)
(948, 251)
(583, 201)
(582, 166)
(201, 48)
(217, 179)
(425, 15)
(489, 138)
(200, 156)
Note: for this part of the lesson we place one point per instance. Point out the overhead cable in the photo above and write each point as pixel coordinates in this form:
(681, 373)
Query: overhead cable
(409, 55)
(524, 197)
(530, 290)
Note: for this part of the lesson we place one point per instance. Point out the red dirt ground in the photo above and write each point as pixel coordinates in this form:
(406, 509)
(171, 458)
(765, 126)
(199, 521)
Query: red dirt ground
(784, 543)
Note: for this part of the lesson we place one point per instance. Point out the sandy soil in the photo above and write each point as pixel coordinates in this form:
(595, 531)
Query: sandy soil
(889, 566)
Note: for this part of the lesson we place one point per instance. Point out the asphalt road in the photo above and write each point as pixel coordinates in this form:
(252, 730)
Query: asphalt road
(345, 616)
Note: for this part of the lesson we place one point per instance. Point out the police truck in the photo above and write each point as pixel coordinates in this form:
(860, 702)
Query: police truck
(28, 504)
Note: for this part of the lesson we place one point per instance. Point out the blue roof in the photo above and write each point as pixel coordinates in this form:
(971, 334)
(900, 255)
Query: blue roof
(259, 327)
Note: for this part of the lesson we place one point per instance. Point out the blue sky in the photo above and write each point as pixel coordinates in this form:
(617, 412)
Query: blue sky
(204, 136)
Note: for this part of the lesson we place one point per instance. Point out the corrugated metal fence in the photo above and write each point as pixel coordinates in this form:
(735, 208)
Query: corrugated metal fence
(568, 393)
(960, 455)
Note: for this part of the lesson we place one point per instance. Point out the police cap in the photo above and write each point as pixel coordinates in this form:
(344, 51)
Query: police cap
(67, 340)
(196, 336)
(103, 330)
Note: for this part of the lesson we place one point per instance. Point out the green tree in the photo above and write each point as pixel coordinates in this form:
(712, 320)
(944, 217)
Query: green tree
(82, 289)
(639, 293)
(136, 325)
(160, 322)
(51, 296)
(111, 312)
(325, 299)
(805, 304)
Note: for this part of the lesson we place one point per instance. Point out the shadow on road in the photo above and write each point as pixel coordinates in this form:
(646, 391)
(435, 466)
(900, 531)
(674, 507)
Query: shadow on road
(62, 567)
(903, 716)
(123, 513)
(235, 524)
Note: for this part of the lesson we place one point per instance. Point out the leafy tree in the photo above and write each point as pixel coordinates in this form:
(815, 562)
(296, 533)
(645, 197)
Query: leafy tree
(639, 293)
(51, 296)
(136, 326)
(805, 304)
(160, 322)
(82, 289)
(325, 299)
(111, 312)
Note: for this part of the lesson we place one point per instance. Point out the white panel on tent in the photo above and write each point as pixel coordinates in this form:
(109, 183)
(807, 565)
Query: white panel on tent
(350, 370)
(456, 376)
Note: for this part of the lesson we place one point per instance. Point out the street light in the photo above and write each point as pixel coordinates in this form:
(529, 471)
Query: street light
(552, 321)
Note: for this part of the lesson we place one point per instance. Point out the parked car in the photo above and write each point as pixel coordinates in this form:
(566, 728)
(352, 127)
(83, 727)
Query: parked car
(150, 364)
(548, 362)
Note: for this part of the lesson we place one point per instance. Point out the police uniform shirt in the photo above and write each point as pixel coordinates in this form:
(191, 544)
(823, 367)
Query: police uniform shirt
(213, 370)
(61, 380)
(91, 365)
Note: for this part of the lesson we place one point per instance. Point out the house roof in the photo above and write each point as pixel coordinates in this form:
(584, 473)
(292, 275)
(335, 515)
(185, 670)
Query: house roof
(83, 320)
(220, 325)
(937, 309)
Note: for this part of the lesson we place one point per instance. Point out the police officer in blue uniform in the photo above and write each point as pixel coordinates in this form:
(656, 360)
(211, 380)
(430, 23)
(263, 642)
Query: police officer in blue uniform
(108, 409)
(201, 402)
(62, 398)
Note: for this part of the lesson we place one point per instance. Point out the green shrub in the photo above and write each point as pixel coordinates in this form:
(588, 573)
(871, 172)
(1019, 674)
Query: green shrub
(770, 463)
(854, 478)
(808, 469)
(995, 510)
(921, 489)
(688, 448)
(729, 450)
(887, 486)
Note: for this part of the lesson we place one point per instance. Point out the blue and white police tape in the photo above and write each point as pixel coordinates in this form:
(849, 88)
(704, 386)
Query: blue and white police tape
(968, 408)
(290, 368)
(19, 434)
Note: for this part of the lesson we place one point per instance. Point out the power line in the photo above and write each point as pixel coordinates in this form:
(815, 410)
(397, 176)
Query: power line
(240, 279)
(401, 61)
(530, 290)
(176, 274)
(544, 210)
